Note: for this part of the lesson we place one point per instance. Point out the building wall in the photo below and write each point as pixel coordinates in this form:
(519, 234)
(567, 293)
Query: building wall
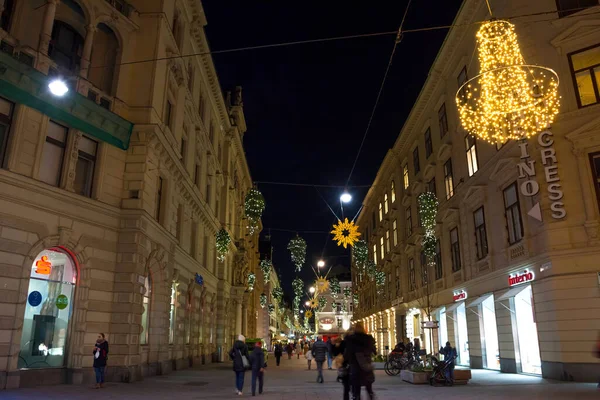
(560, 251)
(122, 231)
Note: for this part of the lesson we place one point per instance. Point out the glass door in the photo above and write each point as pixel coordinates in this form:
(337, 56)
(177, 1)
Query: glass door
(529, 349)
(489, 338)
(462, 342)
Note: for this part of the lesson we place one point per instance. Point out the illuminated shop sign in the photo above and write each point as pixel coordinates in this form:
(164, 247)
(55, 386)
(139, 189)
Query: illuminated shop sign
(520, 277)
(43, 266)
(460, 295)
(530, 187)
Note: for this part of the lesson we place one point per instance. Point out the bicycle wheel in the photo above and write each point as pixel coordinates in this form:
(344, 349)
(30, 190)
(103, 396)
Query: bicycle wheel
(386, 368)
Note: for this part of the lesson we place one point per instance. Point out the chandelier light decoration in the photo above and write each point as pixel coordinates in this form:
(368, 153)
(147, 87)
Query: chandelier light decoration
(222, 240)
(297, 248)
(322, 303)
(347, 291)
(508, 99)
(251, 281)
(271, 308)
(263, 300)
(277, 294)
(266, 266)
(345, 233)
(371, 268)
(428, 208)
(380, 281)
(254, 206)
(361, 253)
(334, 287)
(355, 298)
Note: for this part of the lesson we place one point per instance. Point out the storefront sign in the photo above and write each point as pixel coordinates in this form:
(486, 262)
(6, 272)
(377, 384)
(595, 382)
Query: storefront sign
(199, 279)
(326, 323)
(62, 302)
(460, 295)
(530, 187)
(34, 299)
(43, 266)
(521, 277)
(430, 324)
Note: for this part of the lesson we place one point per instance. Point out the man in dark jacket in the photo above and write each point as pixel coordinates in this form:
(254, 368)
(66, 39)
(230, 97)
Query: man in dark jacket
(329, 352)
(100, 356)
(359, 349)
(257, 360)
(237, 355)
(450, 355)
(277, 352)
(319, 352)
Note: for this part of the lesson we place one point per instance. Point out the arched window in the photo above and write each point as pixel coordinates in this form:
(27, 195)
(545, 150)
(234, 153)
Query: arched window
(146, 312)
(103, 59)
(48, 310)
(66, 46)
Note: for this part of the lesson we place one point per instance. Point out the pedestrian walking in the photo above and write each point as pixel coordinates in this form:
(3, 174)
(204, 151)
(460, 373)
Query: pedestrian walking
(319, 352)
(100, 357)
(257, 361)
(450, 355)
(359, 348)
(339, 346)
(298, 349)
(278, 353)
(239, 356)
(329, 352)
(309, 356)
(289, 350)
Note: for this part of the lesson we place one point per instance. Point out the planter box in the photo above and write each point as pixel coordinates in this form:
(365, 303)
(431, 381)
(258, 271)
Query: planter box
(462, 376)
(416, 378)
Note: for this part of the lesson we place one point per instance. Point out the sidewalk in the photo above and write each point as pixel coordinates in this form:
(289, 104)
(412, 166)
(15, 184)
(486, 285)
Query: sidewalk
(292, 381)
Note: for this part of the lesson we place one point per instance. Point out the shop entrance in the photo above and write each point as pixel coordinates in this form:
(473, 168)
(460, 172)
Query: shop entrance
(491, 358)
(48, 310)
(528, 350)
(462, 336)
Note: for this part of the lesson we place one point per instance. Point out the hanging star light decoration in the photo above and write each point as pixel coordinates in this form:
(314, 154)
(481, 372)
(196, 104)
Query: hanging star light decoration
(508, 99)
(322, 284)
(345, 233)
(313, 303)
(254, 206)
(308, 314)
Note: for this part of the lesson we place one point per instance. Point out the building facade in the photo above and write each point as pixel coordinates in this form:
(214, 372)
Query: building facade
(335, 318)
(112, 194)
(515, 285)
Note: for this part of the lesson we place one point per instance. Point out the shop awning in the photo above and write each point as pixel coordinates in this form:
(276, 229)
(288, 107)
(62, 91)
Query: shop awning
(478, 300)
(28, 86)
(511, 293)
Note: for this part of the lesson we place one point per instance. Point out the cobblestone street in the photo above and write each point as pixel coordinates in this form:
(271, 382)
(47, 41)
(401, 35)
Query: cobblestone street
(291, 381)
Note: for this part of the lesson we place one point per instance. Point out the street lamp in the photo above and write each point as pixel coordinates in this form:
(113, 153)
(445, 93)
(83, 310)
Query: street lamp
(307, 303)
(321, 264)
(345, 197)
(301, 311)
(311, 289)
(58, 87)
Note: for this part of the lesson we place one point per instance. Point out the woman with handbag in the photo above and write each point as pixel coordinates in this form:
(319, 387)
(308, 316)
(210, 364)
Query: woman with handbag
(240, 357)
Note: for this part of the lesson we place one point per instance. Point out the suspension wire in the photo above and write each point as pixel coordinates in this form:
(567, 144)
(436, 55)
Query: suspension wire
(328, 206)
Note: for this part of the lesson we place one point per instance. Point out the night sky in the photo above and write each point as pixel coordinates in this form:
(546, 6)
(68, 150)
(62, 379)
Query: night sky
(307, 106)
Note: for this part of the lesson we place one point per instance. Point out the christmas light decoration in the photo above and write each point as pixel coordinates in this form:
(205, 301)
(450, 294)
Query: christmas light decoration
(263, 300)
(277, 293)
(322, 303)
(355, 298)
(334, 287)
(343, 307)
(428, 207)
(271, 308)
(380, 281)
(370, 268)
(345, 233)
(254, 206)
(266, 266)
(297, 248)
(508, 99)
(322, 284)
(313, 303)
(361, 253)
(251, 281)
(334, 307)
(347, 292)
(222, 240)
(298, 286)
(308, 314)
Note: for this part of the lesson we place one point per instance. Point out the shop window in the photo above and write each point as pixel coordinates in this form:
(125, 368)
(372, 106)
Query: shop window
(443, 120)
(471, 154)
(44, 337)
(146, 312)
(405, 176)
(6, 111)
(409, 227)
(393, 190)
(512, 210)
(66, 46)
(481, 244)
(585, 70)
(103, 59)
(439, 270)
(386, 205)
(86, 163)
(455, 249)
(568, 7)
(412, 281)
(428, 143)
(416, 163)
(173, 313)
(395, 232)
(7, 14)
(448, 179)
(53, 154)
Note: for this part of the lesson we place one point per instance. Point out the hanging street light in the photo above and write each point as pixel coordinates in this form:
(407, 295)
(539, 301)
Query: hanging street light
(307, 303)
(321, 264)
(58, 87)
(311, 289)
(346, 197)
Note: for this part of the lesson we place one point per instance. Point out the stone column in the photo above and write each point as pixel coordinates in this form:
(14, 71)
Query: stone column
(244, 319)
(87, 51)
(47, 25)
(238, 317)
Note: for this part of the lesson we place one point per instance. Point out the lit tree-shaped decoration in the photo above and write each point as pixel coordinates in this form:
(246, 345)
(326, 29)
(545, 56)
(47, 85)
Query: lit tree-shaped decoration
(277, 294)
(428, 206)
(297, 248)
(222, 240)
(266, 266)
(345, 233)
(380, 281)
(508, 99)
(254, 206)
(298, 286)
(322, 303)
(251, 281)
(371, 268)
(355, 298)
(347, 292)
(263, 300)
(334, 287)
(334, 307)
(271, 308)
(361, 254)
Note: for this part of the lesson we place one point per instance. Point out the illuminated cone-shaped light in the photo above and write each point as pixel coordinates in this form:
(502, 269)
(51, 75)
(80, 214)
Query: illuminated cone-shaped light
(508, 99)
